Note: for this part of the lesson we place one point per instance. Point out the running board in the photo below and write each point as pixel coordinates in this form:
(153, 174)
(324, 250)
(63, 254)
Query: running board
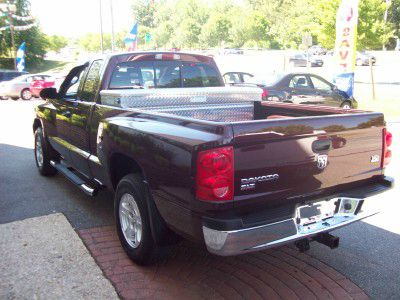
(75, 179)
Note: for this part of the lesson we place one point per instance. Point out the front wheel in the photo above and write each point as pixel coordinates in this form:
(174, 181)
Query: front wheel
(133, 220)
(42, 156)
(26, 94)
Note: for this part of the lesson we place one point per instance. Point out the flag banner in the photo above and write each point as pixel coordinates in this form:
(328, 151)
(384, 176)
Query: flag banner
(131, 39)
(345, 46)
(21, 18)
(4, 28)
(20, 59)
(24, 27)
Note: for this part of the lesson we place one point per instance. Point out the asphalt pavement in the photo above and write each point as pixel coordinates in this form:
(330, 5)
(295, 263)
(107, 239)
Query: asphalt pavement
(368, 254)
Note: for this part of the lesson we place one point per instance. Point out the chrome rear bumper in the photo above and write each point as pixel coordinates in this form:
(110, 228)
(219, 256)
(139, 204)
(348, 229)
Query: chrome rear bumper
(245, 240)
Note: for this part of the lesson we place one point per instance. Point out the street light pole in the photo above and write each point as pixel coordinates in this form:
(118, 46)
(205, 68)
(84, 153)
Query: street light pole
(10, 23)
(112, 27)
(101, 28)
(388, 3)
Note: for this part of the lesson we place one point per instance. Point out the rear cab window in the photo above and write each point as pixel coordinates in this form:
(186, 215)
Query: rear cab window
(163, 74)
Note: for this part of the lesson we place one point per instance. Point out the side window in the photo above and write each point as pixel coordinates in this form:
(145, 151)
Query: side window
(320, 84)
(92, 82)
(69, 87)
(299, 81)
(232, 78)
(247, 77)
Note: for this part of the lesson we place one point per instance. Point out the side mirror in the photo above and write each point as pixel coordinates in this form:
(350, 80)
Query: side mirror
(49, 93)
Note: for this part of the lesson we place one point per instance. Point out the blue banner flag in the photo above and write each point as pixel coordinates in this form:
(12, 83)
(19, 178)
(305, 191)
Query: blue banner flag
(131, 39)
(21, 58)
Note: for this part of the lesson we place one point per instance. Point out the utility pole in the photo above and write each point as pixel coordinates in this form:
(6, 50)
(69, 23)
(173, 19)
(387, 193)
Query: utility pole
(388, 3)
(112, 27)
(101, 28)
(10, 23)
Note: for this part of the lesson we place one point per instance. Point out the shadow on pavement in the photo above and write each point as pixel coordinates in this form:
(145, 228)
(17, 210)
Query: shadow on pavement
(25, 193)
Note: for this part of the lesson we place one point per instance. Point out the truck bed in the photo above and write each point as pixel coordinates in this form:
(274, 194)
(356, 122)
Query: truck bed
(270, 138)
(216, 104)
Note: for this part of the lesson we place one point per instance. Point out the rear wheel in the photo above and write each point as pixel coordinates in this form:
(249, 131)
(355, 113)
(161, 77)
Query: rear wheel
(346, 105)
(3, 98)
(42, 155)
(26, 94)
(133, 220)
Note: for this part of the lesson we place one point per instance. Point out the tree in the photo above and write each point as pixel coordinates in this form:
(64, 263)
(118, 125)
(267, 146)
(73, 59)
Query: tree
(373, 32)
(56, 42)
(36, 42)
(394, 19)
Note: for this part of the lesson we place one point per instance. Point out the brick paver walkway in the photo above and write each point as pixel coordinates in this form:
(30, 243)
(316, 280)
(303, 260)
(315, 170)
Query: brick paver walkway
(192, 273)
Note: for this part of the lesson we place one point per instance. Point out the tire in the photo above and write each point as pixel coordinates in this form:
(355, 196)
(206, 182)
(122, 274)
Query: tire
(133, 221)
(3, 98)
(15, 98)
(42, 154)
(346, 105)
(26, 94)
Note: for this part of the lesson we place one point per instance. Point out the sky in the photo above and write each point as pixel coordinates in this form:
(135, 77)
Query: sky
(74, 18)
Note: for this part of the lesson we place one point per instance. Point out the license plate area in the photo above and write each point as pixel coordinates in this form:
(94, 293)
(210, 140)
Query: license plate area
(315, 212)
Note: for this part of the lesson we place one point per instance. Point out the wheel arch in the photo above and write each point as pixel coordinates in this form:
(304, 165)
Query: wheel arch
(121, 165)
(36, 124)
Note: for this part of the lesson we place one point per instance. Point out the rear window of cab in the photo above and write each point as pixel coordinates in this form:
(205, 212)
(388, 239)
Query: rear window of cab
(163, 74)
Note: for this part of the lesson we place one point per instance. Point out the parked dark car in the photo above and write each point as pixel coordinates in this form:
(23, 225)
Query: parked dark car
(363, 58)
(300, 88)
(303, 60)
(186, 155)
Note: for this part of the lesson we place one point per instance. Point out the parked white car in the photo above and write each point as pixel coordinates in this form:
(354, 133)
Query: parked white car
(19, 86)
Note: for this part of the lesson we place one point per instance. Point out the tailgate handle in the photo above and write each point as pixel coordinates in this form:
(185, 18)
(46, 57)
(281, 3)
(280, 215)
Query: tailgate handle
(321, 145)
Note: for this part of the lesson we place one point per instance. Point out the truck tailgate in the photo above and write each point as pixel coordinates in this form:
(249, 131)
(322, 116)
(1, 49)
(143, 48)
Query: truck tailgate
(282, 161)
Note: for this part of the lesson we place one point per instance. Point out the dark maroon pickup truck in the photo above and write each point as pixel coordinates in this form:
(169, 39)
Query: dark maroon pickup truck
(187, 156)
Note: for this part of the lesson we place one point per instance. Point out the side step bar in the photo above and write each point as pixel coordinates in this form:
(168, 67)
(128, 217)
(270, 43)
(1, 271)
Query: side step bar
(75, 179)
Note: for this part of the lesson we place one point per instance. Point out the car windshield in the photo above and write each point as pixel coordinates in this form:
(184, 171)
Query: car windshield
(266, 79)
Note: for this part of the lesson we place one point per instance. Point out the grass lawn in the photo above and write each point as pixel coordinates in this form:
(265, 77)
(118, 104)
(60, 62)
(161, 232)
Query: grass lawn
(390, 107)
(387, 99)
(51, 66)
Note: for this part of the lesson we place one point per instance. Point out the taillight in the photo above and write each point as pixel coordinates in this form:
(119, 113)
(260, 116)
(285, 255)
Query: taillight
(214, 178)
(386, 153)
(264, 95)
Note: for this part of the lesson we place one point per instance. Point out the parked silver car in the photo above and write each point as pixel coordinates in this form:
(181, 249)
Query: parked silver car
(19, 86)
